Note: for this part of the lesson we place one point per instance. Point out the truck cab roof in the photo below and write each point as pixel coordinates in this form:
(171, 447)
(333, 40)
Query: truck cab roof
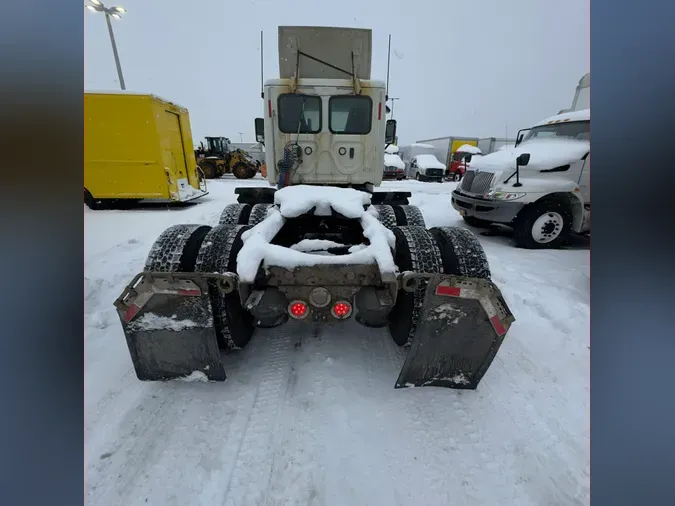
(582, 115)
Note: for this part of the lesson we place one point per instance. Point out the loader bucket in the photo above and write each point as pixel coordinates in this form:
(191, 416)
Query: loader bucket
(168, 325)
(462, 324)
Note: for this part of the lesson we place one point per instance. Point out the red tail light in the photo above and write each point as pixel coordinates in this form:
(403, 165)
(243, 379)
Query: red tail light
(269, 108)
(379, 111)
(298, 309)
(341, 310)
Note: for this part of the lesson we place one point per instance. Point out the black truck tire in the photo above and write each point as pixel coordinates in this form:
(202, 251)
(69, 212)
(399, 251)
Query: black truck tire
(235, 214)
(416, 251)
(386, 215)
(218, 253)
(555, 216)
(175, 250)
(409, 216)
(258, 213)
(462, 252)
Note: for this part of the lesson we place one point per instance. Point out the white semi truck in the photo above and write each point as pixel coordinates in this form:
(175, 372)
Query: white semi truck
(540, 187)
(319, 244)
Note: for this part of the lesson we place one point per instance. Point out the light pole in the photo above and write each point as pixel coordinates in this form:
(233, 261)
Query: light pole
(241, 137)
(393, 99)
(115, 12)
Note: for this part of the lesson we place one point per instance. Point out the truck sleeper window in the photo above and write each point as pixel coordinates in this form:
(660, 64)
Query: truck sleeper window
(350, 114)
(294, 118)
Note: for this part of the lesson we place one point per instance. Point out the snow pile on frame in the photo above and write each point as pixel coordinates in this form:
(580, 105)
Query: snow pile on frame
(294, 201)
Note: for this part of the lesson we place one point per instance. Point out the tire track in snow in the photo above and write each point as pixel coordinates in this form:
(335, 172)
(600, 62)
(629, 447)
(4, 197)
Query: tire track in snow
(296, 472)
(248, 479)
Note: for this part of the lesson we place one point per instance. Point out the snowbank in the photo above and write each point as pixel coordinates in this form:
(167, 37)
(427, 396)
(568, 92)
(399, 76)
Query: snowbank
(393, 161)
(429, 162)
(468, 148)
(296, 200)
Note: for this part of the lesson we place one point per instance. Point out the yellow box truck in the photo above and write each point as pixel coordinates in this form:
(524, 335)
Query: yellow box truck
(138, 146)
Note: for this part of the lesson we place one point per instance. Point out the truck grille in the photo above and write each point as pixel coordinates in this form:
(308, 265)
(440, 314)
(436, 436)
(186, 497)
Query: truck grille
(477, 182)
(434, 172)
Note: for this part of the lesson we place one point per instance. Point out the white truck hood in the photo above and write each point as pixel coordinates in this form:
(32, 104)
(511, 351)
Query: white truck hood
(428, 162)
(544, 154)
(391, 160)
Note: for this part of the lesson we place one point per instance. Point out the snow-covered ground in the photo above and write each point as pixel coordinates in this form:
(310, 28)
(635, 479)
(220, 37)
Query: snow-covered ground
(309, 416)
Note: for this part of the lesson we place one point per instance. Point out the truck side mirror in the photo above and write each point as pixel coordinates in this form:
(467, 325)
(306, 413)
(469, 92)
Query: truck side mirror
(523, 159)
(260, 130)
(390, 131)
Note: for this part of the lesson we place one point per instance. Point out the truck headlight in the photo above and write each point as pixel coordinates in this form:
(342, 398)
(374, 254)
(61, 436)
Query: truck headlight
(501, 195)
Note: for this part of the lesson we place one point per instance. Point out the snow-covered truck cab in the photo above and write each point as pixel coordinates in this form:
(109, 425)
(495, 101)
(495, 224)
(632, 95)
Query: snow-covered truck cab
(426, 167)
(540, 187)
(321, 247)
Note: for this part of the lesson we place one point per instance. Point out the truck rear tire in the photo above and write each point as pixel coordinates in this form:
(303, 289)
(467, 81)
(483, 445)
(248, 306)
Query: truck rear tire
(175, 250)
(462, 252)
(416, 251)
(218, 253)
(409, 216)
(235, 214)
(544, 224)
(386, 215)
(258, 213)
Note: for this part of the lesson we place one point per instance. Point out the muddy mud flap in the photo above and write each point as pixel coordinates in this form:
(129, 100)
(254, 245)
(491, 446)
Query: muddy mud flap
(168, 325)
(462, 325)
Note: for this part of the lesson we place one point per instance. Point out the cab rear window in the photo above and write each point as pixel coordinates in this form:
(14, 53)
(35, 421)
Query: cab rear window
(350, 114)
(299, 113)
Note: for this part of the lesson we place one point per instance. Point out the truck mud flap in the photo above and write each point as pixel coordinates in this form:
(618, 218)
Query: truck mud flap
(462, 325)
(168, 325)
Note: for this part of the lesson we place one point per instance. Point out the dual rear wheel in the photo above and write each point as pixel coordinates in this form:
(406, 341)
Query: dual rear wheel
(195, 248)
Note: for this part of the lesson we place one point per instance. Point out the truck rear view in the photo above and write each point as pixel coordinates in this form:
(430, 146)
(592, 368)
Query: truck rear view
(313, 250)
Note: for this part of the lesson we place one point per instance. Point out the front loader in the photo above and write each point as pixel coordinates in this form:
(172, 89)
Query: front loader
(319, 245)
(218, 158)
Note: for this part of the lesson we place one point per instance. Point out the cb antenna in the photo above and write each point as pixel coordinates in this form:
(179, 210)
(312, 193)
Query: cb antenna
(262, 84)
(388, 61)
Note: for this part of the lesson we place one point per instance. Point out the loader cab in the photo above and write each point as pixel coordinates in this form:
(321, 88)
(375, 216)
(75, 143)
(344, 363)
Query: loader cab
(217, 146)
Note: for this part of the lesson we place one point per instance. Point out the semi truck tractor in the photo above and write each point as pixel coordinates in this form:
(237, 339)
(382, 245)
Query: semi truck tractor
(320, 245)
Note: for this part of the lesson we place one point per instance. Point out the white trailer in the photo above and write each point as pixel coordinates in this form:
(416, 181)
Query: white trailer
(445, 147)
(489, 145)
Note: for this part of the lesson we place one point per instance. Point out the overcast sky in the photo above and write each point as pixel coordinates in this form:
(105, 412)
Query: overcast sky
(474, 68)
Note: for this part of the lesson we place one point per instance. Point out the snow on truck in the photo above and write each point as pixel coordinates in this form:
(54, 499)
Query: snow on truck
(540, 186)
(447, 151)
(394, 168)
(319, 245)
